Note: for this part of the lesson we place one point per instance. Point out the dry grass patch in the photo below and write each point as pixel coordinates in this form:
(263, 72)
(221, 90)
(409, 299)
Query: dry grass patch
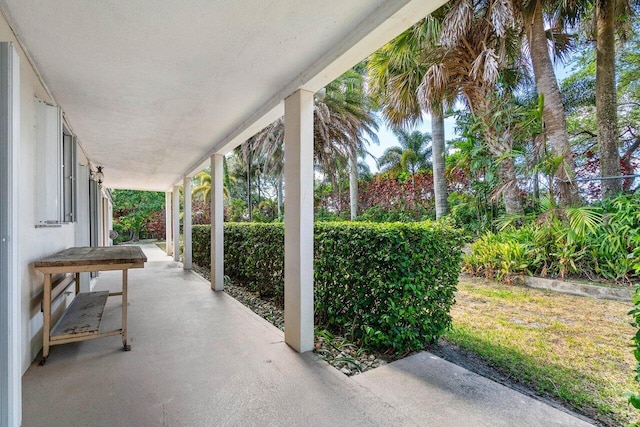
(574, 349)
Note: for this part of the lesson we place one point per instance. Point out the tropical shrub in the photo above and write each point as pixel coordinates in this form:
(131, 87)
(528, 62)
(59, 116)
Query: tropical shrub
(388, 197)
(407, 196)
(200, 212)
(388, 286)
(237, 210)
(323, 215)
(634, 399)
(598, 243)
(154, 226)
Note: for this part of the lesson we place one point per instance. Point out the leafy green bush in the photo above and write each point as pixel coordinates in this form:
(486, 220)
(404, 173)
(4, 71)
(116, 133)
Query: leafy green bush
(253, 255)
(618, 246)
(633, 398)
(201, 245)
(499, 256)
(599, 242)
(389, 286)
(324, 215)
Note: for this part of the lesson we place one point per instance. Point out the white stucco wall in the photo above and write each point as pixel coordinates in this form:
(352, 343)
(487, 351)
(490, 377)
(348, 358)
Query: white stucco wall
(33, 242)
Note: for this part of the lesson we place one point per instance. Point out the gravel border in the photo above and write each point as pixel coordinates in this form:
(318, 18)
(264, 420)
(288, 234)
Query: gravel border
(338, 351)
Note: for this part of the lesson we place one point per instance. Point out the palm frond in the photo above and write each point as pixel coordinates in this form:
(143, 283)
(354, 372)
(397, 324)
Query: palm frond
(583, 219)
(456, 23)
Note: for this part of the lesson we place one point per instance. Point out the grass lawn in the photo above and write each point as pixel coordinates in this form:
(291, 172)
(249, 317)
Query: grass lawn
(574, 349)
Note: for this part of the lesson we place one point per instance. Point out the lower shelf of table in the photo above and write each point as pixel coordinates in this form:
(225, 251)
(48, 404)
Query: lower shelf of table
(83, 317)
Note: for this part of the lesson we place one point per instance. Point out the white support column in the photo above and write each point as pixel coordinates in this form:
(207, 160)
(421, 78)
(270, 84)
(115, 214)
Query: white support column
(168, 223)
(176, 223)
(298, 223)
(217, 223)
(186, 221)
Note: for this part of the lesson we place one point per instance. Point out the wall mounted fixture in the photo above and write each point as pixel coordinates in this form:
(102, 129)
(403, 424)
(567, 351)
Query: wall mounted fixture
(98, 176)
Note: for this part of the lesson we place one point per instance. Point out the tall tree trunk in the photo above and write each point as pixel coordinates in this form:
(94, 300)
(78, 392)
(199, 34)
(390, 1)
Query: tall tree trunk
(501, 150)
(627, 165)
(510, 191)
(553, 113)
(225, 174)
(259, 185)
(606, 114)
(439, 181)
(536, 186)
(353, 183)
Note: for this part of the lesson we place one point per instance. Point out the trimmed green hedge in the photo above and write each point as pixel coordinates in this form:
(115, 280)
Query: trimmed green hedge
(253, 255)
(388, 286)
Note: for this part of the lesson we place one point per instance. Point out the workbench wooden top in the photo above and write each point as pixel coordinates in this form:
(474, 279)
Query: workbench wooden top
(104, 255)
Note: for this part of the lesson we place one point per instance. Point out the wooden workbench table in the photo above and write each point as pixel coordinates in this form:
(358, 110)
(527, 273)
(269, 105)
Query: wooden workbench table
(81, 321)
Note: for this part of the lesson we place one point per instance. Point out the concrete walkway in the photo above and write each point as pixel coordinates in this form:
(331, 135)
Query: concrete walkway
(200, 358)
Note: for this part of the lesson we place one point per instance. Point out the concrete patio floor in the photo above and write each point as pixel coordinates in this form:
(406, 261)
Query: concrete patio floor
(201, 358)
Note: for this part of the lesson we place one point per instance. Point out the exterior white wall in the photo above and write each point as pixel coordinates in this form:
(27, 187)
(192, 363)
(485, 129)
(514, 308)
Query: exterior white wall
(34, 242)
(10, 328)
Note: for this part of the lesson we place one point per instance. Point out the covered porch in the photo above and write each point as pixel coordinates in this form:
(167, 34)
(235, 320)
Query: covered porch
(202, 358)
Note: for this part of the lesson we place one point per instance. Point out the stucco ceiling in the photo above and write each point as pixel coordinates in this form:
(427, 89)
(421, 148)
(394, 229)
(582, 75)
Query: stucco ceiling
(153, 87)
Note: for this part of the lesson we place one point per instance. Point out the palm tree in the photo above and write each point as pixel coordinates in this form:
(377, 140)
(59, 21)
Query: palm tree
(610, 16)
(248, 157)
(346, 121)
(602, 20)
(343, 125)
(269, 142)
(606, 101)
(439, 161)
(202, 187)
(554, 118)
(477, 42)
(410, 156)
(458, 52)
(395, 73)
(478, 55)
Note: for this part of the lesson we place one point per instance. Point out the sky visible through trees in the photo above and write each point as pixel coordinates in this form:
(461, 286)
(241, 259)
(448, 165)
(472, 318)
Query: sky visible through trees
(387, 139)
